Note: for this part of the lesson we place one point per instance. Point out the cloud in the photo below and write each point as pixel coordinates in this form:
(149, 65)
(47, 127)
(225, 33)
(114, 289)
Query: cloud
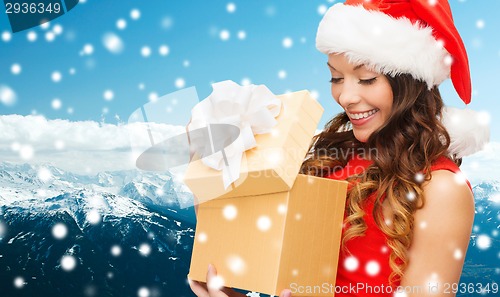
(483, 165)
(81, 147)
(90, 147)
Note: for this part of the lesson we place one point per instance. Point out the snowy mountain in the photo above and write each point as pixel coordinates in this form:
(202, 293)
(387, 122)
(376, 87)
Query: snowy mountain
(482, 261)
(120, 232)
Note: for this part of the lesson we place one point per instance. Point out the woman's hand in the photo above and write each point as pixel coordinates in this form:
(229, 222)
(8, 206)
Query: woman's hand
(202, 290)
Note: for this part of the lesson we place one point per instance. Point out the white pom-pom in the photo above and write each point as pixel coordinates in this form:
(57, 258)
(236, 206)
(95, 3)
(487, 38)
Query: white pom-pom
(469, 130)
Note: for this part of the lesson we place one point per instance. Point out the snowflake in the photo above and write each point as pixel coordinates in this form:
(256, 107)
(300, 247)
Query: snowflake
(231, 7)
(372, 268)
(68, 262)
(287, 42)
(230, 212)
(7, 95)
(180, 83)
(15, 69)
(483, 242)
(44, 174)
(135, 14)
(224, 35)
(56, 76)
(59, 231)
(121, 24)
(322, 9)
(56, 104)
(112, 43)
(351, 263)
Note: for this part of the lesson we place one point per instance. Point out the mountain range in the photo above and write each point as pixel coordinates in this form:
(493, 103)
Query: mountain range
(128, 233)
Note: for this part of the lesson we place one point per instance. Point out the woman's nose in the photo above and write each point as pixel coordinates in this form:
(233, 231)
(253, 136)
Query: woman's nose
(349, 95)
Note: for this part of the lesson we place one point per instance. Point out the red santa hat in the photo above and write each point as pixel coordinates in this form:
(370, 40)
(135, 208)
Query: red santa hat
(416, 37)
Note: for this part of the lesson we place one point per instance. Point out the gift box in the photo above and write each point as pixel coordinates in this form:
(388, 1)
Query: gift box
(272, 228)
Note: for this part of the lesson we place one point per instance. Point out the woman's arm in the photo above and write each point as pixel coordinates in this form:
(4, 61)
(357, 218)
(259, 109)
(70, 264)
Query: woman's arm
(441, 235)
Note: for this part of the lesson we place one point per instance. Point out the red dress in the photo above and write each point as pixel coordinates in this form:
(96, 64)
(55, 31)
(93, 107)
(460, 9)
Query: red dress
(365, 270)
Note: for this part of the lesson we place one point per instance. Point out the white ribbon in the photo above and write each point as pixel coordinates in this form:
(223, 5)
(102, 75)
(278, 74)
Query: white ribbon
(250, 108)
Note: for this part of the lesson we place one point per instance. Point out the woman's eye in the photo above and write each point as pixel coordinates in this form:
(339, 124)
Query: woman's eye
(335, 80)
(367, 81)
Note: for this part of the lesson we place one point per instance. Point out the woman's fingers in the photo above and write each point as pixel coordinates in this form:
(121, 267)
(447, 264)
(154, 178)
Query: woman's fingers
(214, 283)
(199, 289)
(286, 293)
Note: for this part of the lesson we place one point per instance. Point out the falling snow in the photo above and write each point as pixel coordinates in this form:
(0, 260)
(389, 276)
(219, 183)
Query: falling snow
(3, 229)
(322, 9)
(372, 268)
(287, 42)
(145, 249)
(94, 217)
(457, 254)
(216, 283)
(7, 95)
(88, 49)
(56, 104)
(19, 282)
(135, 14)
(56, 76)
(480, 24)
(202, 237)
(121, 24)
(108, 95)
(483, 242)
(180, 83)
(58, 29)
(264, 223)
(229, 212)
(26, 152)
(15, 69)
(31, 36)
(224, 35)
(59, 231)
(164, 50)
(113, 43)
(143, 292)
(231, 7)
(236, 264)
(116, 250)
(68, 262)
(44, 174)
(50, 36)
(145, 51)
(351, 263)
(419, 177)
(6, 36)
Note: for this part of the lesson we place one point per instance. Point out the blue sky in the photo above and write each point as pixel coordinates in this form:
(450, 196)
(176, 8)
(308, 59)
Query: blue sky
(197, 55)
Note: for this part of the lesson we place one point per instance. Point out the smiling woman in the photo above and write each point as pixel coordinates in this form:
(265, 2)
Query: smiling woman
(408, 209)
(366, 96)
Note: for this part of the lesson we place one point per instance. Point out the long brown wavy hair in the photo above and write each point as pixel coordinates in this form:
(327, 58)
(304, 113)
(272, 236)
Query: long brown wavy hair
(404, 147)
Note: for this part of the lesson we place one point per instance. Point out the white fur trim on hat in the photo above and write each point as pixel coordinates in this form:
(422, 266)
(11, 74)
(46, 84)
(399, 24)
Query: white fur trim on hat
(469, 130)
(383, 43)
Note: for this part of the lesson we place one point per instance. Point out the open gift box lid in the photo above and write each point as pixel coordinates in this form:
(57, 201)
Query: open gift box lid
(274, 164)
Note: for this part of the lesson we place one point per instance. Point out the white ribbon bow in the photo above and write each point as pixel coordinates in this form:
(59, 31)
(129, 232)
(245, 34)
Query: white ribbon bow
(250, 108)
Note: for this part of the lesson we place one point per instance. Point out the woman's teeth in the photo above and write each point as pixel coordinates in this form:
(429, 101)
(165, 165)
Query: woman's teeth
(358, 116)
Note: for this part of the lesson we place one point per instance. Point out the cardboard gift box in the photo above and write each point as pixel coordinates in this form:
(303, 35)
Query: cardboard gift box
(275, 228)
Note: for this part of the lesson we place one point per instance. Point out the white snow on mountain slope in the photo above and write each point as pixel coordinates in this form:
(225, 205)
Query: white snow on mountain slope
(36, 183)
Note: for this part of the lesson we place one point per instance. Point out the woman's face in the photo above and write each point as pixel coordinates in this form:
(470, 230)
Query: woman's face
(366, 96)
